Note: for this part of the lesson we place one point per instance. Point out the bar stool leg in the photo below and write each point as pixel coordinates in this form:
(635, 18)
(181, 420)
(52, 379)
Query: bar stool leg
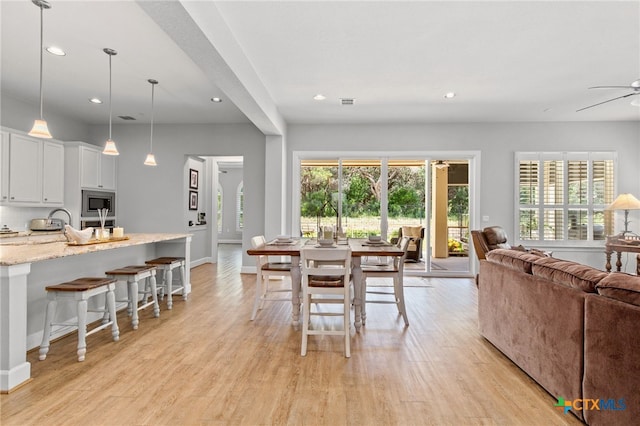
(182, 277)
(154, 294)
(168, 279)
(111, 307)
(46, 337)
(133, 299)
(82, 329)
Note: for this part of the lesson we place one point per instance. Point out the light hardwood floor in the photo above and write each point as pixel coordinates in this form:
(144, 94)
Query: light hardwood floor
(204, 363)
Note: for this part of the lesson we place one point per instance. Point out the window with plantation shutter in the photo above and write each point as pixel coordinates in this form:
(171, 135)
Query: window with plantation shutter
(562, 196)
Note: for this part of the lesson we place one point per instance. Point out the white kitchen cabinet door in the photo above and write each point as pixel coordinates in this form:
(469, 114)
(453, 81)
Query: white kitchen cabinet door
(107, 172)
(4, 167)
(89, 167)
(97, 171)
(52, 173)
(25, 170)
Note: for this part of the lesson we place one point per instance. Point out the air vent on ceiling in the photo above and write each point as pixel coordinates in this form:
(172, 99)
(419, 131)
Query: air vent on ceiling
(126, 117)
(347, 101)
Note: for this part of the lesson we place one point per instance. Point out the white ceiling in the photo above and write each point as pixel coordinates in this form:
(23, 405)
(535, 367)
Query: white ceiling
(506, 60)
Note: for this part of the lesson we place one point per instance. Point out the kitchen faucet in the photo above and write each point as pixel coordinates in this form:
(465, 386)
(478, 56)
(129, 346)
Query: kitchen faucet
(60, 209)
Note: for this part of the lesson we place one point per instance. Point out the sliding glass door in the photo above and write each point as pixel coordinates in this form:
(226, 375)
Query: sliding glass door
(427, 200)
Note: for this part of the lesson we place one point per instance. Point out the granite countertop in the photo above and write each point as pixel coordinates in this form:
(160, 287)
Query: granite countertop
(15, 253)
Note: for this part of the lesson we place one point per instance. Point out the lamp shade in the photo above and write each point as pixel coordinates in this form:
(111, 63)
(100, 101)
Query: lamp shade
(40, 130)
(625, 202)
(110, 148)
(150, 160)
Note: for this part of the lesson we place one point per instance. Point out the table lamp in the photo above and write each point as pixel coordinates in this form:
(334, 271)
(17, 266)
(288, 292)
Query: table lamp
(625, 202)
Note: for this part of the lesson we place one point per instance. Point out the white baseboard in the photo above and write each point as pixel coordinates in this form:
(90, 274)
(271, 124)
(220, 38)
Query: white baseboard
(229, 241)
(248, 270)
(202, 261)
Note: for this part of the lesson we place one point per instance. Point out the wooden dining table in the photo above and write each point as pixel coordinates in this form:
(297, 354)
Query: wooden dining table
(359, 248)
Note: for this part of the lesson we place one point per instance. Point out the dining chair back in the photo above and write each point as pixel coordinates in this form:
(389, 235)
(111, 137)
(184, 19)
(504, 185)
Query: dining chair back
(394, 270)
(265, 270)
(326, 279)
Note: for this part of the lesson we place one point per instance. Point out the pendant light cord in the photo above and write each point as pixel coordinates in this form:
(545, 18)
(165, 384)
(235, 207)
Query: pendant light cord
(110, 105)
(152, 111)
(41, 60)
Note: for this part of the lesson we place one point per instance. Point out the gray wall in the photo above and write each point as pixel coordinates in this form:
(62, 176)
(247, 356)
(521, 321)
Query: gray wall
(497, 142)
(152, 199)
(17, 114)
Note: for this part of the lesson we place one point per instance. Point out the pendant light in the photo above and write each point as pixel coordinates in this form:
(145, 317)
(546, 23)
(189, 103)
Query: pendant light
(40, 129)
(151, 159)
(110, 145)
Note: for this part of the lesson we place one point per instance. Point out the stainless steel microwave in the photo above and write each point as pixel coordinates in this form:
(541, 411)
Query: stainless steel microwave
(92, 201)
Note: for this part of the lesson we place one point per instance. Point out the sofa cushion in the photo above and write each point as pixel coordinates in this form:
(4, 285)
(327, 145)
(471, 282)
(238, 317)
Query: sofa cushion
(514, 259)
(569, 273)
(620, 286)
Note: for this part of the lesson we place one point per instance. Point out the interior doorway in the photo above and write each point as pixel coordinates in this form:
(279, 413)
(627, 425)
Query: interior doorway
(227, 196)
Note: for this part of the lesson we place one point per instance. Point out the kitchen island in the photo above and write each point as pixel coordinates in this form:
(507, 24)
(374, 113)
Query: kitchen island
(28, 266)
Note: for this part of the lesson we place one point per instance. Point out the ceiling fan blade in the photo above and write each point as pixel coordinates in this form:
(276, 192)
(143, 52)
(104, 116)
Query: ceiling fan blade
(604, 102)
(610, 87)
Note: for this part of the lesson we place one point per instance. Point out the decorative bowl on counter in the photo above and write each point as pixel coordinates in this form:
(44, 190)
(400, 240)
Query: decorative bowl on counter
(76, 236)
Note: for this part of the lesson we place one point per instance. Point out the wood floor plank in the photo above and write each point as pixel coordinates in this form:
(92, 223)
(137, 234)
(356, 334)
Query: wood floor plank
(206, 363)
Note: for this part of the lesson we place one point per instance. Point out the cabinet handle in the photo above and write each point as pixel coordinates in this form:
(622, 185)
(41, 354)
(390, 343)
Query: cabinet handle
(13, 198)
(46, 199)
(99, 186)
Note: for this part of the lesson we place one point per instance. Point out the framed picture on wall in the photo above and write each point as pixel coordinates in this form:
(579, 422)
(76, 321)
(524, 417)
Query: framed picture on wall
(193, 200)
(193, 179)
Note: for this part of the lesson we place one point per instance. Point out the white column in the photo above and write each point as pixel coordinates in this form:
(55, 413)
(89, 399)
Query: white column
(275, 179)
(14, 368)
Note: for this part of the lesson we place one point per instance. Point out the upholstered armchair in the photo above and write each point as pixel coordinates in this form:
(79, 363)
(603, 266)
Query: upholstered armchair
(491, 238)
(416, 233)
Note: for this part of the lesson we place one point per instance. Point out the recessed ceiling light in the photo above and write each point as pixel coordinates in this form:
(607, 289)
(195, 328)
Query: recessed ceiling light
(450, 95)
(319, 97)
(95, 101)
(216, 100)
(55, 51)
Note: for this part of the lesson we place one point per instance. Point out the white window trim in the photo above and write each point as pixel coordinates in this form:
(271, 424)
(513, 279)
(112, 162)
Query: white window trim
(239, 205)
(220, 224)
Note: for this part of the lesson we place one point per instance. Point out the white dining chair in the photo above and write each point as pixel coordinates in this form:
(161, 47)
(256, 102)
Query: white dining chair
(326, 279)
(395, 270)
(265, 270)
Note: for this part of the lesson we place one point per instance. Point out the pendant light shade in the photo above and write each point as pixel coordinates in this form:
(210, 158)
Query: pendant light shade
(151, 159)
(110, 145)
(40, 129)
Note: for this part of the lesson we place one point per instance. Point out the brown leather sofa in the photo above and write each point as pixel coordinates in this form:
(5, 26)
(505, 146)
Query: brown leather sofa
(572, 328)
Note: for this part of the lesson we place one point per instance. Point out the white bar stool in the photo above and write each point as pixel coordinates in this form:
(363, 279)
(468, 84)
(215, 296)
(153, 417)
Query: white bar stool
(80, 290)
(167, 265)
(133, 275)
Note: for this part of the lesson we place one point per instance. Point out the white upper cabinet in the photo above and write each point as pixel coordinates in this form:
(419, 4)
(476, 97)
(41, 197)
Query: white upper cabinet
(52, 173)
(97, 171)
(36, 171)
(4, 167)
(25, 170)
(108, 172)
